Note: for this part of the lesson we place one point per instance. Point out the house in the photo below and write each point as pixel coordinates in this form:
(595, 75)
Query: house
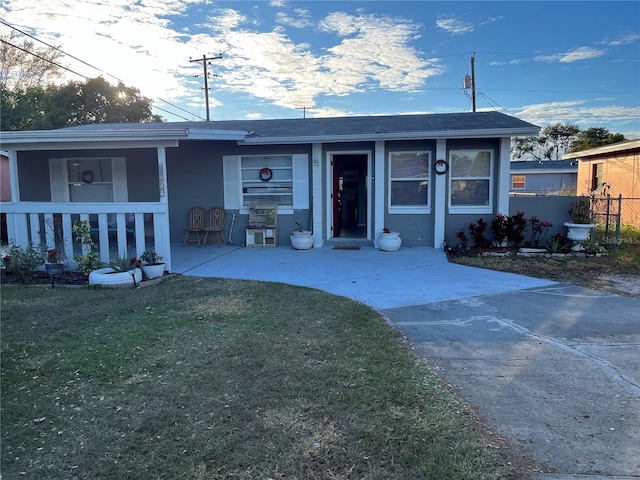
(551, 177)
(344, 178)
(617, 164)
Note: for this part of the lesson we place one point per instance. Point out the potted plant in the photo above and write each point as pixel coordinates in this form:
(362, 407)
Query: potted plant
(53, 266)
(581, 216)
(152, 264)
(301, 239)
(389, 241)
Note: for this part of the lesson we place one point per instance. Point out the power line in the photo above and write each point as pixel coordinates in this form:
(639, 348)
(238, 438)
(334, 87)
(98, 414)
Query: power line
(89, 65)
(44, 59)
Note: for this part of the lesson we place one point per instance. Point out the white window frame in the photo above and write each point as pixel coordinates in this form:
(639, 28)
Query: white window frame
(524, 182)
(60, 183)
(232, 174)
(409, 209)
(473, 209)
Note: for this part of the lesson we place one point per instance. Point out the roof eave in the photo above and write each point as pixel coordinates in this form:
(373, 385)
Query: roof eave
(474, 133)
(56, 139)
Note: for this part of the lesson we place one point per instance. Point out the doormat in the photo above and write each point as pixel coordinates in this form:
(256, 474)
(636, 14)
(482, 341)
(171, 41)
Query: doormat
(337, 247)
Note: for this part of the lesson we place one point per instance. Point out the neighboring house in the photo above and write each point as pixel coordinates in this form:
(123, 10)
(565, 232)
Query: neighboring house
(345, 178)
(617, 164)
(550, 177)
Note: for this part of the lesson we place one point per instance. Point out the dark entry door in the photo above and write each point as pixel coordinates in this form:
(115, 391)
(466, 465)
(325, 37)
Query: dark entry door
(350, 196)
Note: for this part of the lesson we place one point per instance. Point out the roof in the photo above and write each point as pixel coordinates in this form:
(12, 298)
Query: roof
(298, 130)
(546, 166)
(606, 149)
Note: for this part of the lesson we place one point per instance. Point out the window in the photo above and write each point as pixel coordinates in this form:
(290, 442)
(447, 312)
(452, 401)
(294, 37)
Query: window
(90, 180)
(470, 180)
(282, 180)
(517, 182)
(596, 175)
(267, 179)
(408, 181)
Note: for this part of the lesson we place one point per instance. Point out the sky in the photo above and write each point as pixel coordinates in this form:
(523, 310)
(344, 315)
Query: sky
(544, 62)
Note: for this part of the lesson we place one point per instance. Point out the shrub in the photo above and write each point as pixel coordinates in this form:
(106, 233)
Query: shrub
(499, 228)
(22, 263)
(89, 261)
(516, 225)
(476, 231)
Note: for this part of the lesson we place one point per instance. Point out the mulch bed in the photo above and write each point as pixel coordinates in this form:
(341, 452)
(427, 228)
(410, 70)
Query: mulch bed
(42, 278)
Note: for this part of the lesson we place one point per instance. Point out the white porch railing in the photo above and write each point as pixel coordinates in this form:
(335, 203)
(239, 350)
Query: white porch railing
(119, 229)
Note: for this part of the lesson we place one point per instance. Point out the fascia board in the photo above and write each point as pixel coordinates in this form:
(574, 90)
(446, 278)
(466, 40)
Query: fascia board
(498, 132)
(93, 145)
(612, 148)
(207, 134)
(57, 136)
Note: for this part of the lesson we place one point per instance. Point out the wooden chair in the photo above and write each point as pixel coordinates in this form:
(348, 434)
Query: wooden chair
(214, 224)
(195, 225)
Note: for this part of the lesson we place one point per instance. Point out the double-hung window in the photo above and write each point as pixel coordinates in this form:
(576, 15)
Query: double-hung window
(471, 181)
(409, 182)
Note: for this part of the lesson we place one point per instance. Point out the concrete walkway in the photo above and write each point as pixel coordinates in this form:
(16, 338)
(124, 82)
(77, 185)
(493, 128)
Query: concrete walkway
(553, 367)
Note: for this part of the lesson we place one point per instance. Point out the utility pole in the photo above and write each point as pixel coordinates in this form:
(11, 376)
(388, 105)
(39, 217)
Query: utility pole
(204, 61)
(469, 82)
(304, 110)
(473, 81)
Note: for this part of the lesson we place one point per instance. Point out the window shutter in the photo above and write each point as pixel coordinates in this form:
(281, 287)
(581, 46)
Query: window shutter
(231, 174)
(301, 182)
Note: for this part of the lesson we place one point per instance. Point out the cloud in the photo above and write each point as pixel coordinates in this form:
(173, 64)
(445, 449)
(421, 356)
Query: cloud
(303, 20)
(578, 112)
(575, 55)
(369, 52)
(454, 26)
(625, 39)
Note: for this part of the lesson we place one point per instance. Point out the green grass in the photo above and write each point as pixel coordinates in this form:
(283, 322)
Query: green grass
(210, 379)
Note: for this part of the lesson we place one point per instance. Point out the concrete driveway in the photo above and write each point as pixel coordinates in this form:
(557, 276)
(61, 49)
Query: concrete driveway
(553, 367)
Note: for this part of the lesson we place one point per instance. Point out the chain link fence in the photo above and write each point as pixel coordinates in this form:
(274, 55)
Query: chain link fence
(617, 220)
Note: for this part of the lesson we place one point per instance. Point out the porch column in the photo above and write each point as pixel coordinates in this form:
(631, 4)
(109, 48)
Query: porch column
(379, 183)
(504, 176)
(161, 229)
(440, 197)
(17, 230)
(318, 217)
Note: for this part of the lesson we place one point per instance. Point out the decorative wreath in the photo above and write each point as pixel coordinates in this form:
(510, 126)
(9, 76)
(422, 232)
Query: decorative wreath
(87, 176)
(441, 167)
(265, 174)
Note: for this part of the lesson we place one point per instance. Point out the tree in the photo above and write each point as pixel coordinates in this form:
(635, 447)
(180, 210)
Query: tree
(554, 140)
(75, 103)
(595, 137)
(23, 66)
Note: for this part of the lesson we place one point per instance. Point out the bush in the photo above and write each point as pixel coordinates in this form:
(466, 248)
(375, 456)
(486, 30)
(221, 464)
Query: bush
(22, 263)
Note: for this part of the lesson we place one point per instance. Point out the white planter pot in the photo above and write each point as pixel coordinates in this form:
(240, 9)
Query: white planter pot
(389, 242)
(579, 232)
(109, 277)
(153, 271)
(303, 233)
(301, 242)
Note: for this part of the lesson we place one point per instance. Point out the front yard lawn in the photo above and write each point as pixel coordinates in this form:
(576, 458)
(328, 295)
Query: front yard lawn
(223, 379)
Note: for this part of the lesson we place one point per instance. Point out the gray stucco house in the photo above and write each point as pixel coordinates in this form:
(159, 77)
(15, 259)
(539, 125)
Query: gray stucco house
(344, 178)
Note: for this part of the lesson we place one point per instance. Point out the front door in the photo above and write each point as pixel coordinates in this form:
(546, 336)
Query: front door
(349, 196)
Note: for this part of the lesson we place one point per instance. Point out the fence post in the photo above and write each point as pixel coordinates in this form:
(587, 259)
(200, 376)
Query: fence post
(618, 217)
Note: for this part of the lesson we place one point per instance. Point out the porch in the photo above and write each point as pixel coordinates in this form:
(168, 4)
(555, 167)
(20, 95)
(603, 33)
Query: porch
(118, 229)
